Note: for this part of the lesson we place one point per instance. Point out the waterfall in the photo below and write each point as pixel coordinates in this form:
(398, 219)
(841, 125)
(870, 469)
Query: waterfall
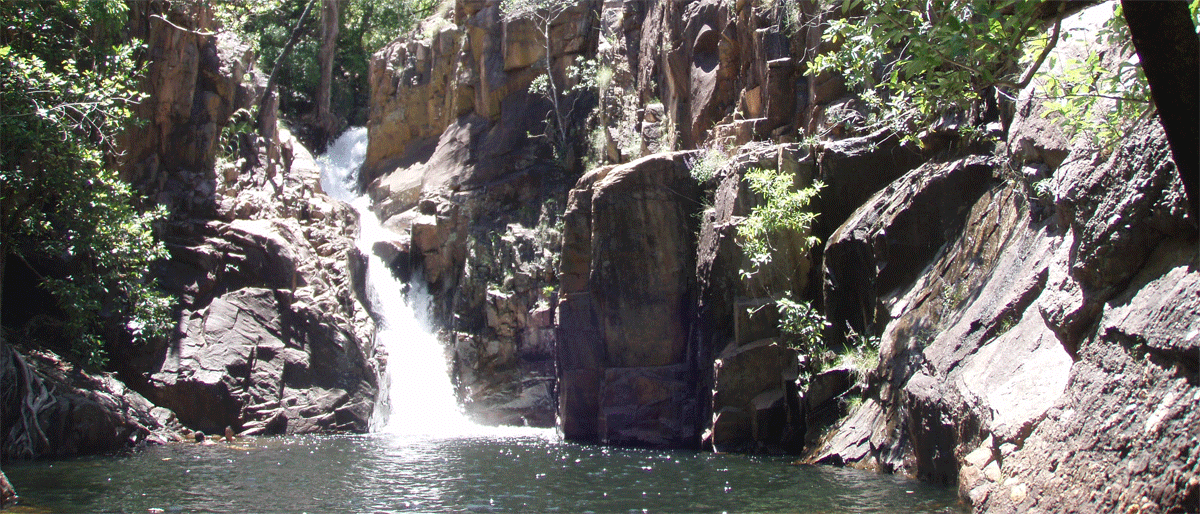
(416, 396)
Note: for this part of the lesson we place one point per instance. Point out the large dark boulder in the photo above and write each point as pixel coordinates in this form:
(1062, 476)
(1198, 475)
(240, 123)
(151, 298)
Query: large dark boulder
(887, 242)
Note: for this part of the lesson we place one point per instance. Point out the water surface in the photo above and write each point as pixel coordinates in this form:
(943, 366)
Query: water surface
(527, 472)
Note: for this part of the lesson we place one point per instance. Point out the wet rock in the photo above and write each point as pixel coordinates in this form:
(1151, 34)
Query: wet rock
(750, 389)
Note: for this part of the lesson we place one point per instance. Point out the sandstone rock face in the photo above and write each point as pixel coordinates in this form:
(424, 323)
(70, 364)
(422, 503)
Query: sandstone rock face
(463, 69)
(1007, 319)
(271, 337)
(997, 348)
(627, 370)
(754, 388)
(855, 168)
(51, 410)
(886, 242)
(719, 68)
(736, 316)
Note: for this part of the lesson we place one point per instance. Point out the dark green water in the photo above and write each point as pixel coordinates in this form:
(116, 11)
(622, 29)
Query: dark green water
(527, 473)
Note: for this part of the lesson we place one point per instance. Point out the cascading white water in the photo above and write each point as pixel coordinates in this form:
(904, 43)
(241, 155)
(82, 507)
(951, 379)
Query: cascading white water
(416, 395)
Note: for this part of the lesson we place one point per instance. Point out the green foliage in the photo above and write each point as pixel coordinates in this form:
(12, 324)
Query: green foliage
(784, 208)
(367, 25)
(66, 90)
(544, 13)
(802, 328)
(916, 61)
(1095, 96)
(711, 160)
(861, 355)
(1043, 189)
(241, 125)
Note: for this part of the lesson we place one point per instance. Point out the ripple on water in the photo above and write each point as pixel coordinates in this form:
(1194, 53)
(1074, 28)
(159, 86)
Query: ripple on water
(530, 473)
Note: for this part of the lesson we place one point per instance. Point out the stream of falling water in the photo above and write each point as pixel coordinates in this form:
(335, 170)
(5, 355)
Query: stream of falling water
(416, 394)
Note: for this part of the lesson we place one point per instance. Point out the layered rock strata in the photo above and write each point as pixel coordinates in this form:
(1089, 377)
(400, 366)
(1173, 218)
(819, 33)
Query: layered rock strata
(461, 166)
(271, 338)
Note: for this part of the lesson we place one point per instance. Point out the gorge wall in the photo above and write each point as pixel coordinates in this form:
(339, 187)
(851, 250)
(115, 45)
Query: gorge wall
(1036, 344)
(272, 337)
(271, 334)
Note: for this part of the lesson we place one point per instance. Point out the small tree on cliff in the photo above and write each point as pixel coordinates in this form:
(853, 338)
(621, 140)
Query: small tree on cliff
(544, 13)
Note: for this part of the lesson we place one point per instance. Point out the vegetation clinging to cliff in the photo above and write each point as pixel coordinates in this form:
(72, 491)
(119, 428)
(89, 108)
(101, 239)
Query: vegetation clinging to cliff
(916, 63)
(784, 208)
(66, 94)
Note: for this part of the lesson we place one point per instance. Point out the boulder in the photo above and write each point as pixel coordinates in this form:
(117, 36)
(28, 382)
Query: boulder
(886, 243)
(854, 169)
(246, 349)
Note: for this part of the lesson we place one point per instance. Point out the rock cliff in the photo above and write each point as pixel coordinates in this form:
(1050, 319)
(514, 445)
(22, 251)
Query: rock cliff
(1035, 343)
(461, 166)
(271, 338)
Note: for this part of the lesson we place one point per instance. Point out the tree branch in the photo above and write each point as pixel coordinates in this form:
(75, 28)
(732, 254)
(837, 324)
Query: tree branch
(1041, 58)
(287, 49)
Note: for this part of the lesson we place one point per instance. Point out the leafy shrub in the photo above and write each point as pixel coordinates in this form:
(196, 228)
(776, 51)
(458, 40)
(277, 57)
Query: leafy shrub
(1093, 96)
(783, 208)
(710, 161)
(802, 328)
(962, 49)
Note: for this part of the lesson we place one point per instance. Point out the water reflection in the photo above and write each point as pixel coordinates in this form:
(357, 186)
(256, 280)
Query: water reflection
(531, 472)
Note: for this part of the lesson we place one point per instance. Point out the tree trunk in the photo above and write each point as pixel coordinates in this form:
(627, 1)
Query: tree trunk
(329, 34)
(1167, 45)
(287, 49)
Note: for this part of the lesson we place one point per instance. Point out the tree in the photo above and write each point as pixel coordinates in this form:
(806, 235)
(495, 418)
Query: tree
(966, 49)
(66, 92)
(326, 63)
(330, 24)
(544, 13)
(283, 54)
